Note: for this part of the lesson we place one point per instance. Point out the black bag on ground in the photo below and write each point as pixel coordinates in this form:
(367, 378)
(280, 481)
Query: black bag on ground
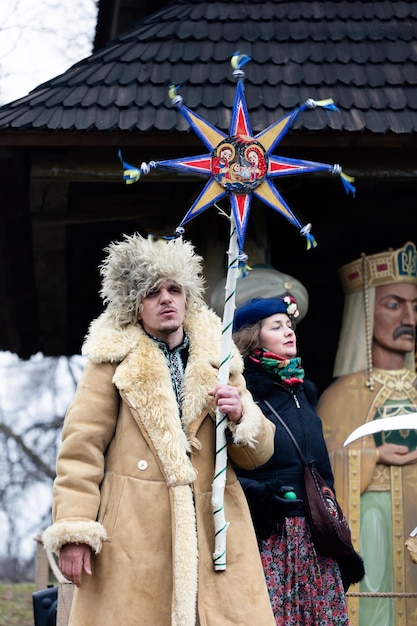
(45, 606)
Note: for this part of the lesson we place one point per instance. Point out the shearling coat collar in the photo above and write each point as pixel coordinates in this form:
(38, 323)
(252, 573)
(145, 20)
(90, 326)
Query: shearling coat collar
(146, 382)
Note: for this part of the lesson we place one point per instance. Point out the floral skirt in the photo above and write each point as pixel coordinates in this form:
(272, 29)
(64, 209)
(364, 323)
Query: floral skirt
(304, 586)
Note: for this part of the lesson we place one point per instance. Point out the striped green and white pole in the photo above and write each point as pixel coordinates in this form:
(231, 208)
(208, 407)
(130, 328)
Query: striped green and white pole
(220, 523)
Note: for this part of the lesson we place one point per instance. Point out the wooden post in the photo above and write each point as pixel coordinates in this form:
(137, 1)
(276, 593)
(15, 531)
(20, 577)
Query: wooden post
(42, 566)
(45, 562)
(65, 594)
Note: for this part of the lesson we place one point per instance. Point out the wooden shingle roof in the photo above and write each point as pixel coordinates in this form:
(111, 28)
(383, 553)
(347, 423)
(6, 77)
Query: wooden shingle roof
(361, 53)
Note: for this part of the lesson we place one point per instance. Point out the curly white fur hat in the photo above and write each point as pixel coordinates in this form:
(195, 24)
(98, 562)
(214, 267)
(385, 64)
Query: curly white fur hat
(136, 265)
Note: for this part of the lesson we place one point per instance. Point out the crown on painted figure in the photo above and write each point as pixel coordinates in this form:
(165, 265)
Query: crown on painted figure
(383, 268)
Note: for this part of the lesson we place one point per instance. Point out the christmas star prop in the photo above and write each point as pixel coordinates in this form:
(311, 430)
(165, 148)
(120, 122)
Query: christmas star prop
(239, 164)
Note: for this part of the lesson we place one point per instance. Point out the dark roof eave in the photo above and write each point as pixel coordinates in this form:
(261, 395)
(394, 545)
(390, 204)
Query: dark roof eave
(42, 138)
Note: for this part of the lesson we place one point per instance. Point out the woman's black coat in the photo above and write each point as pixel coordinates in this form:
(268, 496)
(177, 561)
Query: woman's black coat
(265, 486)
(285, 468)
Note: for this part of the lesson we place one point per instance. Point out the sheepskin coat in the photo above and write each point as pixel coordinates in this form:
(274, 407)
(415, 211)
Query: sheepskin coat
(134, 482)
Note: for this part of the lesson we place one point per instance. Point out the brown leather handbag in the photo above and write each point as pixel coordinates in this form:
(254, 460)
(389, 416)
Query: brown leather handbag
(329, 527)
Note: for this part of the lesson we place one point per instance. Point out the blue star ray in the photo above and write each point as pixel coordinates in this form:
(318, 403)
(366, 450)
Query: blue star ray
(211, 193)
(272, 135)
(209, 134)
(271, 196)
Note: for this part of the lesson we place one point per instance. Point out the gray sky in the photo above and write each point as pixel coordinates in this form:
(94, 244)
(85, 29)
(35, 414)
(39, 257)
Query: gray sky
(40, 39)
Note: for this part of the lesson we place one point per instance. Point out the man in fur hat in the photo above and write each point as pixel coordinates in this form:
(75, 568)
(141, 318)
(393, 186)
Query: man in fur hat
(133, 520)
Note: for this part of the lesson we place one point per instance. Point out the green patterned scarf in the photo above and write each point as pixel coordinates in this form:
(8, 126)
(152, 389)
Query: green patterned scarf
(289, 371)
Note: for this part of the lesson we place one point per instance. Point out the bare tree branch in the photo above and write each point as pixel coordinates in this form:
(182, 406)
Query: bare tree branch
(34, 396)
(36, 460)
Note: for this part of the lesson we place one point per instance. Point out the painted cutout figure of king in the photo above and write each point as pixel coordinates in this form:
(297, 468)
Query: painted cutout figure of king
(373, 404)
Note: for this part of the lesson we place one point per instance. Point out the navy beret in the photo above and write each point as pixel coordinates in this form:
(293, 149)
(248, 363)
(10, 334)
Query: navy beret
(259, 308)
(262, 281)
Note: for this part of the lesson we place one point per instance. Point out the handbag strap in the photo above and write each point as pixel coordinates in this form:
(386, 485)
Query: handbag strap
(293, 439)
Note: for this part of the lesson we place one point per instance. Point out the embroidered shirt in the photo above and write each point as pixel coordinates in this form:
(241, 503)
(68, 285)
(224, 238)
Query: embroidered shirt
(177, 360)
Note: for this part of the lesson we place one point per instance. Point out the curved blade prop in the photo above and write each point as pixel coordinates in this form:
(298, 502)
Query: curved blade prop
(405, 421)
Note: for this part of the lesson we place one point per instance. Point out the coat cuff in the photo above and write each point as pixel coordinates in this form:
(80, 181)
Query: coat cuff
(247, 429)
(74, 531)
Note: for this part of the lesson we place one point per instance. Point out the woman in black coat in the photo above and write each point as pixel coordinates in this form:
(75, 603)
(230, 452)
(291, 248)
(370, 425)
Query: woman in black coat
(305, 587)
